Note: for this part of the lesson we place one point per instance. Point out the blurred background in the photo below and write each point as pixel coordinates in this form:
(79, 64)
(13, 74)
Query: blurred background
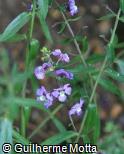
(97, 31)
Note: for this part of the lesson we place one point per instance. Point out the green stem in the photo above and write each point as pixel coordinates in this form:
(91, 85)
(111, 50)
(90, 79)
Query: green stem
(23, 122)
(76, 43)
(73, 124)
(99, 75)
(45, 121)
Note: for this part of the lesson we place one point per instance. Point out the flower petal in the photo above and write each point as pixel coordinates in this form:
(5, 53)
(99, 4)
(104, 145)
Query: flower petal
(39, 72)
(55, 93)
(62, 98)
(56, 52)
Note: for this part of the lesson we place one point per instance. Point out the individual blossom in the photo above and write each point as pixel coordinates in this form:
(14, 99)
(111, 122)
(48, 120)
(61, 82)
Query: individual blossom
(63, 73)
(77, 108)
(61, 57)
(29, 7)
(73, 8)
(41, 70)
(62, 92)
(46, 66)
(44, 96)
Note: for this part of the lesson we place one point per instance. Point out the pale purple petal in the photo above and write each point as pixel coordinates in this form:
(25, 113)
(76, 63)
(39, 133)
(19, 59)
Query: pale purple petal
(81, 102)
(67, 89)
(71, 112)
(49, 96)
(56, 52)
(55, 93)
(41, 91)
(65, 58)
(62, 97)
(73, 8)
(39, 72)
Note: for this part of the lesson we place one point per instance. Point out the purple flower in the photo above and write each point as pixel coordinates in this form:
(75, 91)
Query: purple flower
(44, 96)
(46, 66)
(62, 92)
(29, 7)
(77, 108)
(73, 8)
(57, 52)
(64, 73)
(62, 57)
(41, 70)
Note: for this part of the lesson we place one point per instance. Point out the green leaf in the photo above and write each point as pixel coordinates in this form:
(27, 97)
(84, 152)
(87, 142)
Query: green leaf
(5, 132)
(28, 102)
(20, 139)
(45, 28)
(107, 17)
(85, 44)
(92, 125)
(110, 50)
(95, 58)
(4, 60)
(109, 86)
(25, 102)
(59, 138)
(17, 38)
(15, 26)
(120, 45)
(122, 5)
(81, 69)
(42, 13)
(111, 53)
(115, 75)
(43, 7)
(120, 64)
(121, 18)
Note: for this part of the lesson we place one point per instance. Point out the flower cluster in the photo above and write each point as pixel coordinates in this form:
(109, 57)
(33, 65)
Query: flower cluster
(61, 57)
(77, 108)
(63, 91)
(72, 7)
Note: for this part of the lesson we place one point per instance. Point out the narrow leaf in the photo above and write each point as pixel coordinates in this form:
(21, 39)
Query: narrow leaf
(107, 17)
(45, 27)
(109, 86)
(5, 132)
(120, 64)
(43, 7)
(15, 26)
(92, 125)
(59, 138)
(115, 75)
(122, 5)
(19, 138)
